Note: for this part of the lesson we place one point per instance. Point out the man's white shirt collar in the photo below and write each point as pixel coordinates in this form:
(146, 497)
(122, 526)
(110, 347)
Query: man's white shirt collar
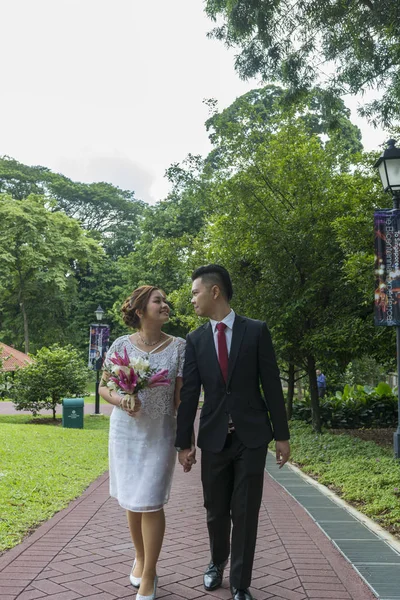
(228, 320)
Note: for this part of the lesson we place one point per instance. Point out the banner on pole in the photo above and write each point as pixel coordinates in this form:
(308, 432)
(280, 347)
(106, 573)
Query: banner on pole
(99, 343)
(387, 267)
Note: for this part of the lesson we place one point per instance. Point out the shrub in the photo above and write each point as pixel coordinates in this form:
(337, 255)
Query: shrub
(356, 407)
(57, 372)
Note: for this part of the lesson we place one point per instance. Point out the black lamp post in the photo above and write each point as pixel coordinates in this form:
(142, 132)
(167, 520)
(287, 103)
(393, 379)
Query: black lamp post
(388, 166)
(99, 315)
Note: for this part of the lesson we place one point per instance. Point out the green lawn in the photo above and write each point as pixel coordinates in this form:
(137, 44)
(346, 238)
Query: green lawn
(362, 473)
(44, 467)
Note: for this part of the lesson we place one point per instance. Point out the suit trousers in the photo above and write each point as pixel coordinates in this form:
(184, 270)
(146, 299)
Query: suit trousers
(232, 486)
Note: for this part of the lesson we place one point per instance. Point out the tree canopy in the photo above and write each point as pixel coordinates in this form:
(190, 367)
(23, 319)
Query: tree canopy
(346, 47)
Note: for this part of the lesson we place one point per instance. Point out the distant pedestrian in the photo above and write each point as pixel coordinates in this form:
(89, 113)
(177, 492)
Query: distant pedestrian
(321, 383)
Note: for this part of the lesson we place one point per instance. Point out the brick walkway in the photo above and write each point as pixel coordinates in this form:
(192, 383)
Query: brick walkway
(85, 552)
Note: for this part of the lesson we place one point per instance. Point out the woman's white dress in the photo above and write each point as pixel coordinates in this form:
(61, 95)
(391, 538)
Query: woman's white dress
(141, 449)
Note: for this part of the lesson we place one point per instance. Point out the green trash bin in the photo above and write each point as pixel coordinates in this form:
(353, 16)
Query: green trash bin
(72, 415)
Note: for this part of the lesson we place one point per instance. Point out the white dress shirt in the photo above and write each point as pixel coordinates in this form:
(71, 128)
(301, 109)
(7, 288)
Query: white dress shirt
(229, 320)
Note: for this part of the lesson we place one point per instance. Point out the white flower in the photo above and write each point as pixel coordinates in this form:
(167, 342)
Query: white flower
(112, 385)
(141, 365)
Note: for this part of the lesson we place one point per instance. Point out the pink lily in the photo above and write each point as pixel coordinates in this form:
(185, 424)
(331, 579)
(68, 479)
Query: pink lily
(122, 361)
(159, 379)
(128, 382)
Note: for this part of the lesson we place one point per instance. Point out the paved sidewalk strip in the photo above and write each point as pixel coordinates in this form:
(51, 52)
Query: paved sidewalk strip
(85, 552)
(8, 408)
(376, 561)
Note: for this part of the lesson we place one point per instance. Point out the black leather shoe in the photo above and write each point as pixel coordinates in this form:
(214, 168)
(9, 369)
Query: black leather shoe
(213, 576)
(241, 594)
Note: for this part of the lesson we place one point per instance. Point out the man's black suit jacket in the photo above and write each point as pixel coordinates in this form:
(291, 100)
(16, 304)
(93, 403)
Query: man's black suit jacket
(252, 364)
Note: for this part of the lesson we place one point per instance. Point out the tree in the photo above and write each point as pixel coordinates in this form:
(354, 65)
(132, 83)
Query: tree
(347, 47)
(56, 373)
(258, 112)
(41, 251)
(99, 207)
(275, 204)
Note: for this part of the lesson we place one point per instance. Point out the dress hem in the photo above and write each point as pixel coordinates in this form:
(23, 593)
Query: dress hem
(140, 510)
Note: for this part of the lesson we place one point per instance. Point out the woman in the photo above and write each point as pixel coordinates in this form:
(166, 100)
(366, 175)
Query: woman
(141, 444)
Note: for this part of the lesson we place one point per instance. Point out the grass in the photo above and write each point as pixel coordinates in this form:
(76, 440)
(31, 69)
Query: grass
(44, 467)
(90, 393)
(362, 473)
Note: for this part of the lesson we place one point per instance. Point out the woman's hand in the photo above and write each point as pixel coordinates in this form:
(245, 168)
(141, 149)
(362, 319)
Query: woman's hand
(130, 404)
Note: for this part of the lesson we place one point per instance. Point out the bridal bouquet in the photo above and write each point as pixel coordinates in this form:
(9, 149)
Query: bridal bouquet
(131, 375)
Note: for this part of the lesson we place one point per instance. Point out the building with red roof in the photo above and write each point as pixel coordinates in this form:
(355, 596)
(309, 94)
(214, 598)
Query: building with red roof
(12, 359)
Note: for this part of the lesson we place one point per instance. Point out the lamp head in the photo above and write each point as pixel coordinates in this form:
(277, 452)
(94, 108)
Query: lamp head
(388, 166)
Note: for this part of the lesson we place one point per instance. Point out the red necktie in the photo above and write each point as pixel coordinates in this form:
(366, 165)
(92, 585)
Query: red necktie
(222, 350)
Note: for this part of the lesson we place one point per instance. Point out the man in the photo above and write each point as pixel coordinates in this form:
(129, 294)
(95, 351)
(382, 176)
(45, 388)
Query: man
(321, 383)
(97, 361)
(230, 356)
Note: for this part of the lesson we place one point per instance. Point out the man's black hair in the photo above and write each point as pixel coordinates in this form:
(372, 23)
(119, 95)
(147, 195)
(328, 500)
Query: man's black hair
(215, 275)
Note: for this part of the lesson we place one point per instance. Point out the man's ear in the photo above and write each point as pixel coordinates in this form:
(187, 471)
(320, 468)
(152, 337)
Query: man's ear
(216, 292)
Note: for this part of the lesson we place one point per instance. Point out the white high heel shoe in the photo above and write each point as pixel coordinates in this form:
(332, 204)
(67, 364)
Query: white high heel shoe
(152, 596)
(135, 581)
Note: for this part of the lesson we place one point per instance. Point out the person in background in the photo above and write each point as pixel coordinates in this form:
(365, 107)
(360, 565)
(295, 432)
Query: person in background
(321, 383)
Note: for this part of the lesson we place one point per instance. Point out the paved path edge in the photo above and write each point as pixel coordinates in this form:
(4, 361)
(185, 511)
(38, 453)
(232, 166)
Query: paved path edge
(385, 535)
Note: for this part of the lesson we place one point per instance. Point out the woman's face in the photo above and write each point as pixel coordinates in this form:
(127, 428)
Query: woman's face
(157, 309)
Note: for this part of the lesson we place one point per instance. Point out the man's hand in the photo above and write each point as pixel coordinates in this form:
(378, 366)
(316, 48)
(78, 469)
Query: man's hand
(282, 449)
(187, 458)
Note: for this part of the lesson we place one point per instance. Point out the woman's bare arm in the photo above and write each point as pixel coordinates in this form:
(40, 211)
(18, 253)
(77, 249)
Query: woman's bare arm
(108, 395)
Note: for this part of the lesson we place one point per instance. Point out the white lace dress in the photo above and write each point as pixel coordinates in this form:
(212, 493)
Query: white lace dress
(141, 449)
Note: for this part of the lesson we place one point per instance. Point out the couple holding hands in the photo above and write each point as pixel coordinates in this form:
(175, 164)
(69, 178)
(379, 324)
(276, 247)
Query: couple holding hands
(232, 358)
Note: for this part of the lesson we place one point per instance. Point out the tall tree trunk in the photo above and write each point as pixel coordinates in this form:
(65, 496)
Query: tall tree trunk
(312, 379)
(25, 319)
(299, 389)
(290, 391)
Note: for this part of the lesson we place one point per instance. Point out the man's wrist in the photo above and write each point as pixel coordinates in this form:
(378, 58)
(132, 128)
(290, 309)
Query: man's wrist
(179, 449)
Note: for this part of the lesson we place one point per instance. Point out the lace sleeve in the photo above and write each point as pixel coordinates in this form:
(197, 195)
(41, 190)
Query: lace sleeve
(181, 356)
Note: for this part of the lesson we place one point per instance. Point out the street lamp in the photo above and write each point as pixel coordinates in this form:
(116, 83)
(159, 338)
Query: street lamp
(388, 166)
(99, 315)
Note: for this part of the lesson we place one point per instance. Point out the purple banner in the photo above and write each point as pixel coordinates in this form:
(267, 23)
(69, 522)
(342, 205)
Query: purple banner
(98, 345)
(387, 267)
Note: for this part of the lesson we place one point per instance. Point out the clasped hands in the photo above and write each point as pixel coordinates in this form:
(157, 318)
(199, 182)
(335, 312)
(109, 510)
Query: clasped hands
(187, 458)
(125, 404)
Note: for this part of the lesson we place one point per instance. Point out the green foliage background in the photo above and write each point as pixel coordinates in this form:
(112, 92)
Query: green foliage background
(284, 200)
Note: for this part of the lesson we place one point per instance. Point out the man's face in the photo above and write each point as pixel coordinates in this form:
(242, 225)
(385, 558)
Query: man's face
(202, 298)
(318, 372)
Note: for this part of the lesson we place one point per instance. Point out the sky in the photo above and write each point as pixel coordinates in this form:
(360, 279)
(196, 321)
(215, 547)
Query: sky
(113, 90)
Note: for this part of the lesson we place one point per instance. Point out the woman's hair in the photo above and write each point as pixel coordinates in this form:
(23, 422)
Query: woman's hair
(138, 300)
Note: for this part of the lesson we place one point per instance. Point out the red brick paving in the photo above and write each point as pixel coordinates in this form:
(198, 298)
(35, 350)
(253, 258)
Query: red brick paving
(85, 552)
